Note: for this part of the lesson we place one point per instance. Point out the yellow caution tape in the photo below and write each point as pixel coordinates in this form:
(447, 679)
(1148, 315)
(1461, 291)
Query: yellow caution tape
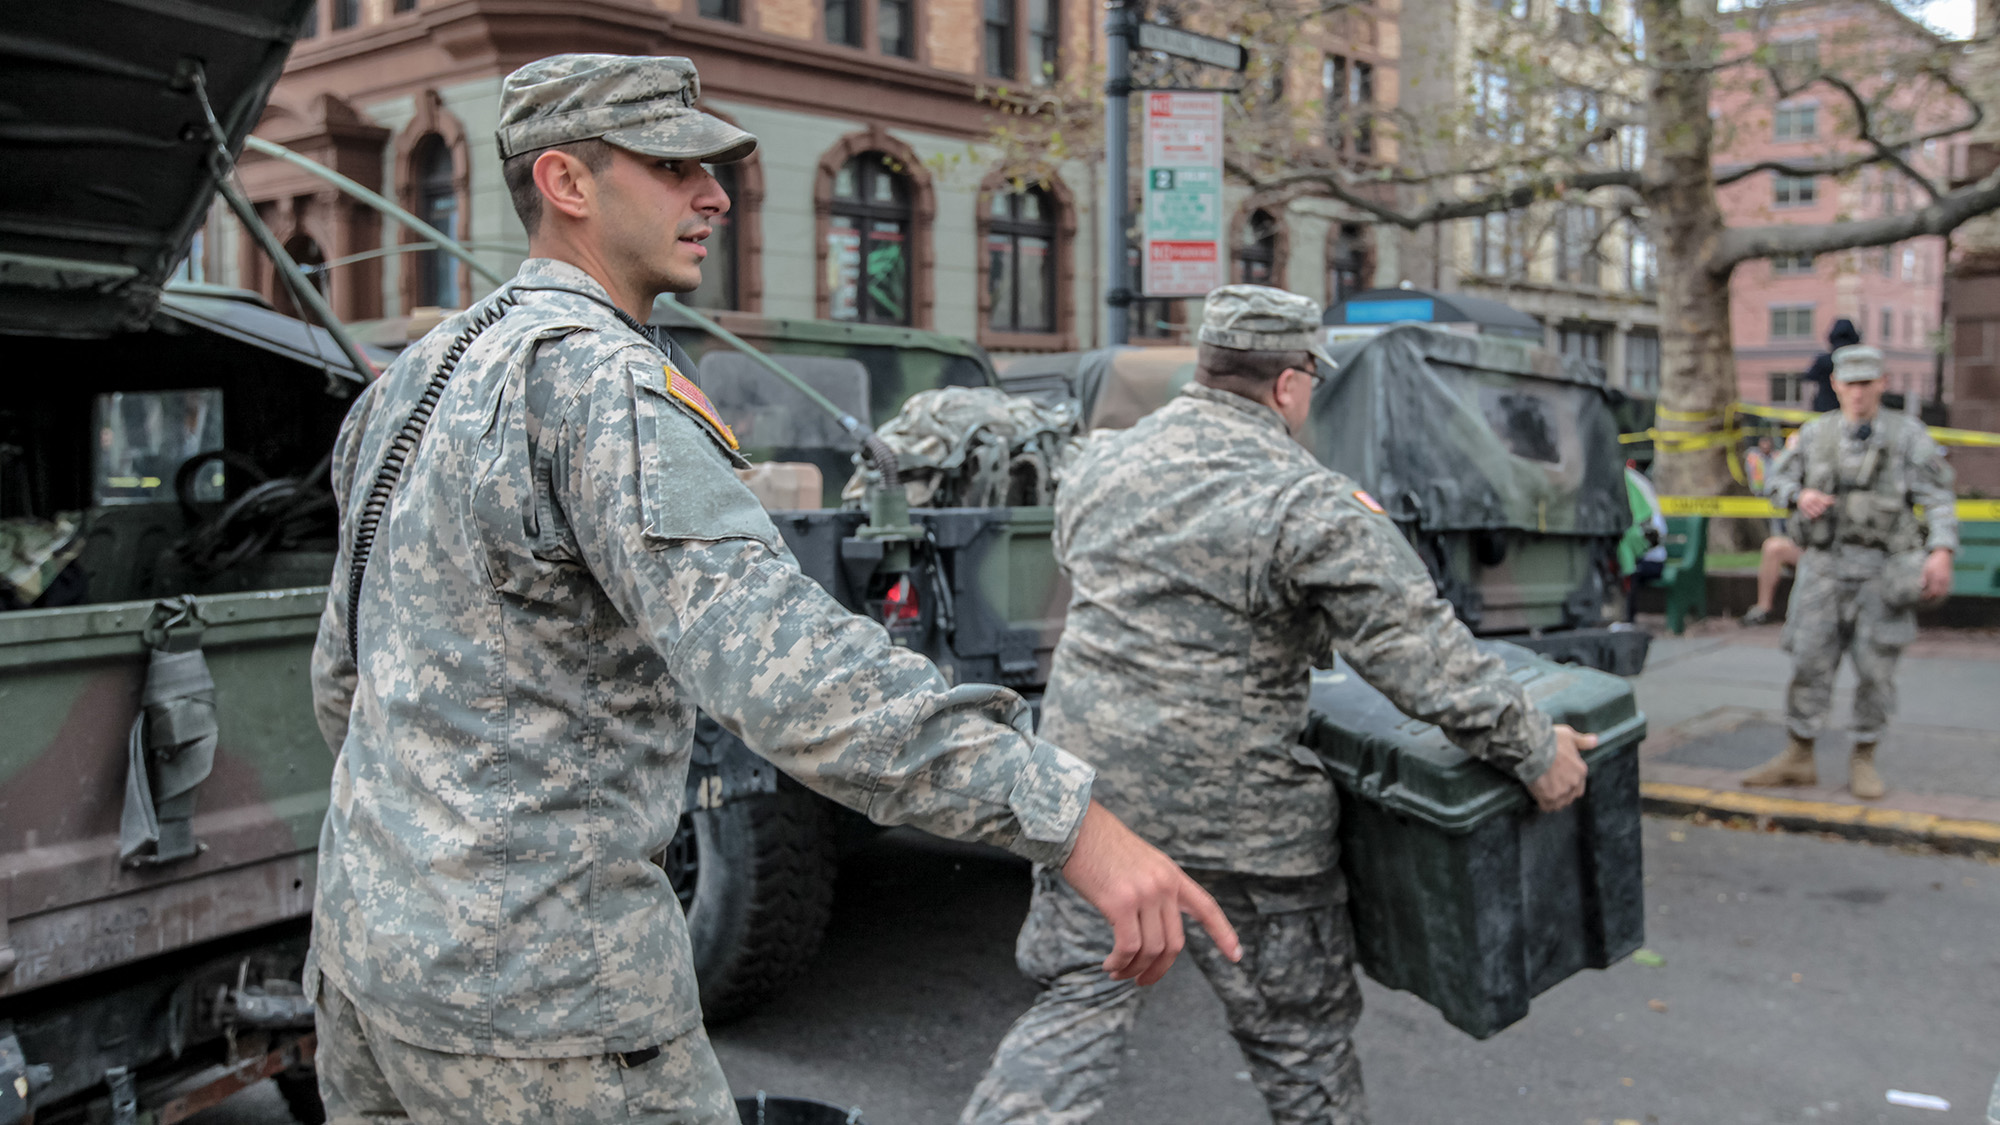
(1682, 441)
(1758, 508)
(1720, 507)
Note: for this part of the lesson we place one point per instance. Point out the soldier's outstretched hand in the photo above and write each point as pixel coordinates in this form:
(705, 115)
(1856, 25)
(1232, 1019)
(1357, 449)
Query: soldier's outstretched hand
(1563, 781)
(1142, 894)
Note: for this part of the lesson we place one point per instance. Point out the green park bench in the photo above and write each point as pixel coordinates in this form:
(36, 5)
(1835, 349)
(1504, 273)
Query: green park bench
(1975, 570)
(1685, 576)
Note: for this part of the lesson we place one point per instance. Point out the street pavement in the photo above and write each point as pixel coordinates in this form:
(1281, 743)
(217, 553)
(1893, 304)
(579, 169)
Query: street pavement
(1803, 978)
(1715, 703)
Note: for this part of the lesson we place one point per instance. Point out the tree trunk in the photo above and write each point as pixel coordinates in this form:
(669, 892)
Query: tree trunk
(1698, 363)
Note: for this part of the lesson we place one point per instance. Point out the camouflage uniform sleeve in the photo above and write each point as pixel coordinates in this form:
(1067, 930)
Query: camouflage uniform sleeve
(1787, 477)
(1371, 597)
(687, 555)
(333, 675)
(1931, 481)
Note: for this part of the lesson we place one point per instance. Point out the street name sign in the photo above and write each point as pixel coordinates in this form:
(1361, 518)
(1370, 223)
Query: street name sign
(1188, 45)
(1183, 195)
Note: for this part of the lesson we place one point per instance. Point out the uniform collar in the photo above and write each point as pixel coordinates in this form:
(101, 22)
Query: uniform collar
(551, 274)
(1248, 408)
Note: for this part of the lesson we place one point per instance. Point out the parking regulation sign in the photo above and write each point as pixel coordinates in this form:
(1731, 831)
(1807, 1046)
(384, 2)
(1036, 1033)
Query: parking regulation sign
(1183, 195)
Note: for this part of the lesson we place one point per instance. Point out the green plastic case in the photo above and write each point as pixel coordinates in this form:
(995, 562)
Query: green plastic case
(1462, 892)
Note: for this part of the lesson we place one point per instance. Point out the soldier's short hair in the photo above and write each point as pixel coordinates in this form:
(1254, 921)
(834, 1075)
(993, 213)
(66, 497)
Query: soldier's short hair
(519, 172)
(1216, 365)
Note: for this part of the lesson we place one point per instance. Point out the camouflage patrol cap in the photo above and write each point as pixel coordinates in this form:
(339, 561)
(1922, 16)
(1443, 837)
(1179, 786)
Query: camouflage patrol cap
(1259, 318)
(640, 103)
(1856, 363)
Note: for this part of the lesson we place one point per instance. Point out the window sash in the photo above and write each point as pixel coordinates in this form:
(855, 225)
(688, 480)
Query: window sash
(1001, 20)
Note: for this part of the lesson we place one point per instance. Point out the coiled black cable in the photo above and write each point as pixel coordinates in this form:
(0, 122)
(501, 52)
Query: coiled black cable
(401, 448)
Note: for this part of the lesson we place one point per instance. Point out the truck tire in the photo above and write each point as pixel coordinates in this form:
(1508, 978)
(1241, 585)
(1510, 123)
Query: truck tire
(756, 879)
(299, 1086)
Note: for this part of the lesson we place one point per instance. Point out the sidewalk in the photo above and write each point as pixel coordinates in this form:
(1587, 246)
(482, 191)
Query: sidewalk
(1715, 704)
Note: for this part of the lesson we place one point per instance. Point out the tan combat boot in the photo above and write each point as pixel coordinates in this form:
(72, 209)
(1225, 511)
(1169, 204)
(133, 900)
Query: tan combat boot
(1793, 767)
(1862, 780)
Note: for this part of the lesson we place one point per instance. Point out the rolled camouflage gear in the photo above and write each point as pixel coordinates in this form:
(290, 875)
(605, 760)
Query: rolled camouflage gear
(1856, 363)
(643, 104)
(1258, 318)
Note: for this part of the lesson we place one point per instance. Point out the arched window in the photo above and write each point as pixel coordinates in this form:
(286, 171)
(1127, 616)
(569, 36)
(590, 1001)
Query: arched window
(437, 204)
(721, 272)
(868, 242)
(1021, 261)
(1257, 252)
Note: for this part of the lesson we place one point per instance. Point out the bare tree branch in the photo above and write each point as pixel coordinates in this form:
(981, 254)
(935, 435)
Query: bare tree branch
(1941, 216)
(1333, 183)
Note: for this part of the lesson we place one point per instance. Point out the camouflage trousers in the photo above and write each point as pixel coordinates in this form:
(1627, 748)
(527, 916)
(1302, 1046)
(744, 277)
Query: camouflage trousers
(1292, 1003)
(367, 1077)
(1834, 610)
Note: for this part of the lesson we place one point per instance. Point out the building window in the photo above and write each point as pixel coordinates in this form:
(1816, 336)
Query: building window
(1790, 322)
(1500, 249)
(895, 28)
(721, 272)
(1576, 245)
(1784, 389)
(403, 6)
(1495, 113)
(437, 204)
(843, 22)
(1795, 123)
(1793, 191)
(1791, 265)
(1347, 264)
(1021, 262)
(1888, 325)
(730, 10)
(1642, 263)
(1584, 341)
(1000, 38)
(1909, 263)
(1796, 58)
(1642, 361)
(868, 242)
(311, 27)
(1632, 147)
(1909, 329)
(1044, 40)
(346, 14)
(1256, 256)
(1347, 87)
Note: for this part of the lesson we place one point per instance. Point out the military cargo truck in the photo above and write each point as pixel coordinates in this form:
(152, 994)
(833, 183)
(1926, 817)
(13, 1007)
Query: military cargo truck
(1498, 459)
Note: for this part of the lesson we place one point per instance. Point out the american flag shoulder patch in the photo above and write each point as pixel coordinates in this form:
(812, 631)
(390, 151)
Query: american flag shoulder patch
(683, 388)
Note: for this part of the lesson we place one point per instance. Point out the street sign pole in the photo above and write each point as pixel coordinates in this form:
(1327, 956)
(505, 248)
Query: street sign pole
(1118, 26)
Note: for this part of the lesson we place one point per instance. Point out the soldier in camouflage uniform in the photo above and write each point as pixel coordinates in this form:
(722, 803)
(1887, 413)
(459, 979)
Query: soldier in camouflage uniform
(567, 568)
(1214, 563)
(1855, 477)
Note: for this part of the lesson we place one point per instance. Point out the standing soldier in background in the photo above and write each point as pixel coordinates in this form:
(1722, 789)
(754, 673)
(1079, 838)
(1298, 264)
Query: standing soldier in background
(1214, 563)
(1855, 478)
(566, 569)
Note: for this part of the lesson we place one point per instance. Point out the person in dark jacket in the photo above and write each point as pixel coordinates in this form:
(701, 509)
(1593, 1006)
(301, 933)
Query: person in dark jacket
(1820, 374)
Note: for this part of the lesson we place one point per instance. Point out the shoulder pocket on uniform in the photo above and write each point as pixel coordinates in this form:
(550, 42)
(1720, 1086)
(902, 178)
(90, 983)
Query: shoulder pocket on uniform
(687, 485)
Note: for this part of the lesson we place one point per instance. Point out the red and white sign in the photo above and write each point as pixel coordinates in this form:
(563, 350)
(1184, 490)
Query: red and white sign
(1183, 195)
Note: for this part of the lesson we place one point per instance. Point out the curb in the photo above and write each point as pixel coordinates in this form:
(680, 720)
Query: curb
(1856, 822)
